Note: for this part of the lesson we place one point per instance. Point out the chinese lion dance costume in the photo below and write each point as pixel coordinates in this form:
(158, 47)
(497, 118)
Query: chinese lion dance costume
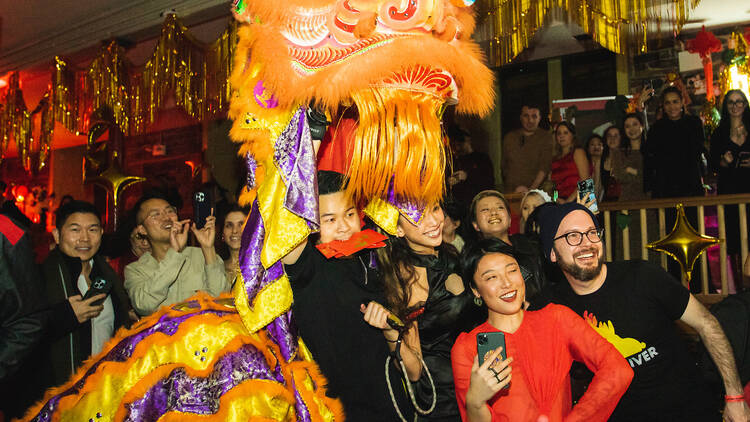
(397, 64)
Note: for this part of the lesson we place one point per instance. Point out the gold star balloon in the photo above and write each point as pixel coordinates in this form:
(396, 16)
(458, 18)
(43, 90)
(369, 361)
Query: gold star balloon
(684, 244)
(114, 181)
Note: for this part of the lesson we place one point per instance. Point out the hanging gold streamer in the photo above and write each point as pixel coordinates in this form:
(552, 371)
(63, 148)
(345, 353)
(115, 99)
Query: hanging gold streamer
(197, 74)
(612, 23)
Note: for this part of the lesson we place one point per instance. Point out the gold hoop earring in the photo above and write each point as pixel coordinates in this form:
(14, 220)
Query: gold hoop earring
(478, 301)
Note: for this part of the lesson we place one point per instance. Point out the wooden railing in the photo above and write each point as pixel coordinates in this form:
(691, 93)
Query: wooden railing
(641, 207)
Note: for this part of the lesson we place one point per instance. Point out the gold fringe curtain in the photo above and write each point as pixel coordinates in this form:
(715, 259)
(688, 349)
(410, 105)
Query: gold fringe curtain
(615, 24)
(197, 74)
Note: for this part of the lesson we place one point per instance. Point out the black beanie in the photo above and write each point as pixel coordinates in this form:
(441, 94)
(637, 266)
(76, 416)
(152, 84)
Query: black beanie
(549, 221)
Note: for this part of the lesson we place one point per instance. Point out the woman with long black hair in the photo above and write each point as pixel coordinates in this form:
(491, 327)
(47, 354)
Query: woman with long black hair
(730, 159)
(421, 278)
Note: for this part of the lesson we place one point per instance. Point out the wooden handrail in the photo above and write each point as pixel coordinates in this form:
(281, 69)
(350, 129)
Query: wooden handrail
(689, 201)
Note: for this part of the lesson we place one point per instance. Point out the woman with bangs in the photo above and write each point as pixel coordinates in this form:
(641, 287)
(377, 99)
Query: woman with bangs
(528, 379)
(421, 279)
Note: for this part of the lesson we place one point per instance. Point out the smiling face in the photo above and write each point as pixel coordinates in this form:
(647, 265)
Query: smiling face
(672, 106)
(612, 135)
(564, 136)
(339, 218)
(584, 261)
(80, 236)
(735, 104)
(633, 128)
(427, 234)
(529, 204)
(157, 217)
(491, 218)
(499, 283)
(232, 230)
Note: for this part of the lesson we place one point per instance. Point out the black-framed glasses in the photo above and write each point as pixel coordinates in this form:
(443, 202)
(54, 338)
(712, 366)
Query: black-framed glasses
(736, 103)
(575, 238)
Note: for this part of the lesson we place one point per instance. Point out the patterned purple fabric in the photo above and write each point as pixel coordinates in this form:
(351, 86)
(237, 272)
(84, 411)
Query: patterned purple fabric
(180, 392)
(122, 351)
(294, 156)
(251, 165)
(410, 209)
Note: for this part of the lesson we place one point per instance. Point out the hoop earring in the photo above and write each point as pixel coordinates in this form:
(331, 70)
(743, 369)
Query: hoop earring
(478, 301)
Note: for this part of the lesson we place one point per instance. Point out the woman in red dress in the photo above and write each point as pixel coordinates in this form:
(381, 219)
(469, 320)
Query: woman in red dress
(569, 164)
(541, 346)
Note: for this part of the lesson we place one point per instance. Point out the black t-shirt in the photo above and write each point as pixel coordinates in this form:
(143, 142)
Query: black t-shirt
(635, 310)
(350, 352)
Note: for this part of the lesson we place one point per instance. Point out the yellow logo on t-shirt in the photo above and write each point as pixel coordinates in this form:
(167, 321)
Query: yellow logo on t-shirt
(626, 346)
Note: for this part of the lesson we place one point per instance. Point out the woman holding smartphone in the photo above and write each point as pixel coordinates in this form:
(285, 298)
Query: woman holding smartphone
(420, 274)
(527, 378)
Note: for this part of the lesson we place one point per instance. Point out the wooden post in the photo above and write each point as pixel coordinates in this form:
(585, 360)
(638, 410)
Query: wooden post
(644, 235)
(607, 237)
(662, 233)
(704, 257)
(722, 249)
(626, 240)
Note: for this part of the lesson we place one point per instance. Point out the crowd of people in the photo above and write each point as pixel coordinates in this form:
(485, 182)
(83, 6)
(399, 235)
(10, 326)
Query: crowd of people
(564, 335)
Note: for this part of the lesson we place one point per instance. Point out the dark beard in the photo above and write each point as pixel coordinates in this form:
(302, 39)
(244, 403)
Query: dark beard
(579, 273)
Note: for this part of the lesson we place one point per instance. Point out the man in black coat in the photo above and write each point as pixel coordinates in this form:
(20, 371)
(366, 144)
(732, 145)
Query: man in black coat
(76, 328)
(20, 328)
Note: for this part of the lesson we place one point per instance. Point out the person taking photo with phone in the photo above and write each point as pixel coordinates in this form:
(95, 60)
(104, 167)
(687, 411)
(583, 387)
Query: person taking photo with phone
(525, 374)
(86, 301)
(172, 271)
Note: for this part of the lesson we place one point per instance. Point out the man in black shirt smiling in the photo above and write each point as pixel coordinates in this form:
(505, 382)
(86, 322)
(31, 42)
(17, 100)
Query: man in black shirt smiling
(634, 304)
(328, 294)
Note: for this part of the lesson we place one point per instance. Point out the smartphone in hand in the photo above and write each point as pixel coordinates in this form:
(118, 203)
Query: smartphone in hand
(488, 343)
(203, 204)
(98, 286)
(586, 193)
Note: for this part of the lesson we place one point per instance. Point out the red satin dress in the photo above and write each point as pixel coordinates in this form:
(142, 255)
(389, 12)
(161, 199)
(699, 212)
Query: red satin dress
(543, 349)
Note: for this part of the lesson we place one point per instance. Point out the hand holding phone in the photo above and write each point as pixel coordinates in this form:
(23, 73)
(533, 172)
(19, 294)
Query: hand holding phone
(203, 206)
(586, 195)
(98, 286)
(492, 367)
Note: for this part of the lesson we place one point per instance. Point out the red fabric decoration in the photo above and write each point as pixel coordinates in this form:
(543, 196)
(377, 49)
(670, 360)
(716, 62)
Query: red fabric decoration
(362, 240)
(747, 35)
(335, 152)
(704, 44)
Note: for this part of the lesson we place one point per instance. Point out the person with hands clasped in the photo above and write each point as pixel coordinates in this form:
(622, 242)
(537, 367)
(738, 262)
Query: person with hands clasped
(527, 378)
(172, 271)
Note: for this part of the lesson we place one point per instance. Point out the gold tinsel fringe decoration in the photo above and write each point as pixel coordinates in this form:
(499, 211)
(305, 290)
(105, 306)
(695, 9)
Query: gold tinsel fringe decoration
(615, 24)
(198, 74)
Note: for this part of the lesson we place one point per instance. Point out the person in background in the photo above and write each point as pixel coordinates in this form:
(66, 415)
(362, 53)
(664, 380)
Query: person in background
(172, 271)
(530, 201)
(491, 219)
(615, 141)
(527, 153)
(569, 164)
(596, 152)
(539, 348)
(634, 304)
(730, 159)
(454, 215)
(21, 328)
(78, 326)
(676, 143)
(420, 271)
(629, 165)
(231, 240)
(472, 170)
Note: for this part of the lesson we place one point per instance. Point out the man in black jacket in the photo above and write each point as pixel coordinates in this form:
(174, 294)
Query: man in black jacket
(77, 328)
(20, 330)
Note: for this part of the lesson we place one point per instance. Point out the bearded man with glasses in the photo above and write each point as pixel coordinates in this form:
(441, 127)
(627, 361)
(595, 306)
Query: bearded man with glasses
(634, 304)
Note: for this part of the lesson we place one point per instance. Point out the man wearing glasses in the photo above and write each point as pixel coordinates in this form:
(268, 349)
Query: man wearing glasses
(172, 271)
(634, 304)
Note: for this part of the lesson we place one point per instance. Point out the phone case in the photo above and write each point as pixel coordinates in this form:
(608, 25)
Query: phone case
(489, 342)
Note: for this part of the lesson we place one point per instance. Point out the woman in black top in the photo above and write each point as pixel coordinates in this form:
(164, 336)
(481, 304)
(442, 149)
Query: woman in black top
(730, 157)
(420, 272)
(675, 144)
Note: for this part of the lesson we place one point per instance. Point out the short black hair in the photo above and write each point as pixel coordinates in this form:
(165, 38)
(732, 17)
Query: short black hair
(330, 182)
(530, 104)
(71, 207)
(671, 89)
(486, 194)
(150, 194)
(454, 210)
(474, 252)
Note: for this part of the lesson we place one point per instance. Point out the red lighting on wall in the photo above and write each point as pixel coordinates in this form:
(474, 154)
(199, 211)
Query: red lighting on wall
(3, 83)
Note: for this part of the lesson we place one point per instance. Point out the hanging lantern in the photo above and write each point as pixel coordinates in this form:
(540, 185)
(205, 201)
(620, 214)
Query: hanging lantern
(704, 44)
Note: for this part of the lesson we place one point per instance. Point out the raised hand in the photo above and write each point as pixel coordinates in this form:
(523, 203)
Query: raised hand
(179, 234)
(489, 378)
(207, 235)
